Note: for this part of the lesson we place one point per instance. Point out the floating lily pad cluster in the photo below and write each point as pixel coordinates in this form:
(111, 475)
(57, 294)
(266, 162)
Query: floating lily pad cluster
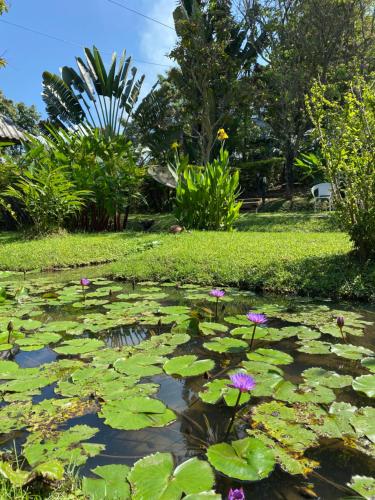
(108, 349)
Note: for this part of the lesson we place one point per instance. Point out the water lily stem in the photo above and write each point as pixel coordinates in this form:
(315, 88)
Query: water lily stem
(252, 337)
(217, 304)
(343, 336)
(84, 293)
(233, 416)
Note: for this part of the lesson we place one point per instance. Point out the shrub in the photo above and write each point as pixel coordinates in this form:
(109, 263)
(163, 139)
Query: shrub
(206, 196)
(44, 190)
(346, 130)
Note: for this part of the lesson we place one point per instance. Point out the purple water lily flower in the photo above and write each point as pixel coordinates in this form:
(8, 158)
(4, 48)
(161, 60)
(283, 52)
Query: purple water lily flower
(257, 319)
(217, 293)
(236, 494)
(242, 382)
(85, 282)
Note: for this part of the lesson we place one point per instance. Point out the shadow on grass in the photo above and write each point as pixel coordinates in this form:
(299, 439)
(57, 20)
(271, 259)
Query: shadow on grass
(334, 276)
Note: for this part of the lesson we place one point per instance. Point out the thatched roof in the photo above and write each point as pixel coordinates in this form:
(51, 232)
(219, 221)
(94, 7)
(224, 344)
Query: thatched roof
(10, 132)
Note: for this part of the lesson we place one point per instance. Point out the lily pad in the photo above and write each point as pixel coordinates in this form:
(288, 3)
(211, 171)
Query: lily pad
(210, 328)
(271, 356)
(111, 486)
(66, 446)
(135, 413)
(79, 346)
(247, 459)
(316, 376)
(226, 344)
(364, 486)
(349, 351)
(188, 366)
(154, 477)
(369, 363)
(286, 391)
(217, 389)
(247, 332)
(366, 384)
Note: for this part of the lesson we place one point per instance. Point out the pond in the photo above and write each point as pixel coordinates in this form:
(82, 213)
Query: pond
(133, 380)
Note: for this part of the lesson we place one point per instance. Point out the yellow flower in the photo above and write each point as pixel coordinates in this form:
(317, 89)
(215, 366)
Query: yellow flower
(222, 135)
(175, 145)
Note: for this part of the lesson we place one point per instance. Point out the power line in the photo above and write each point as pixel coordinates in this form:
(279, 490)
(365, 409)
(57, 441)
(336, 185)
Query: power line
(140, 14)
(70, 42)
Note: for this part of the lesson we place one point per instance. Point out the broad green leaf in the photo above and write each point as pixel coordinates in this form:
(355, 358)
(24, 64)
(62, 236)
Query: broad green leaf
(111, 486)
(369, 363)
(247, 459)
(136, 412)
(349, 351)
(363, 485)
(226, 344)
(218, 389)
(316, 376)
(366, 384)
(270, 356)
(79, 346)
(16, 477)
(286, 391)
(188, 366)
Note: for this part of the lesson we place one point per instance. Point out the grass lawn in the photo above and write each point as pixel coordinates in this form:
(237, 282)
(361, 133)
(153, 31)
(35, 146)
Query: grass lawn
(281, 253)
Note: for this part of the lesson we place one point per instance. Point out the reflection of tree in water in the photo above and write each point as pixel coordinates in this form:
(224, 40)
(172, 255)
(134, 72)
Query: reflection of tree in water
(125, 336)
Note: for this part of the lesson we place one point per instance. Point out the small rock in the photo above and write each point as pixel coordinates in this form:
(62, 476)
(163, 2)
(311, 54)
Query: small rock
(176, 229)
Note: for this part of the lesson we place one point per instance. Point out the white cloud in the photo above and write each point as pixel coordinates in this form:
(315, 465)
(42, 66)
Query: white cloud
(156, 41)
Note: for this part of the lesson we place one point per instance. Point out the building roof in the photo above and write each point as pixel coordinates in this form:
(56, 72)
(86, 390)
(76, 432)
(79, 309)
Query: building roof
(10, 132)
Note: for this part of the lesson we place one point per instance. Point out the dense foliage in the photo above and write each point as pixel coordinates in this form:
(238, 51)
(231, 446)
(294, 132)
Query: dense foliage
(93, 96)
(345, 126)
(206, 197)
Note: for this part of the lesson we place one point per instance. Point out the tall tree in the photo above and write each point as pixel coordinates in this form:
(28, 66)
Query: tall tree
(23, 116)
(307, 39)
(212, 53)
(93, 96)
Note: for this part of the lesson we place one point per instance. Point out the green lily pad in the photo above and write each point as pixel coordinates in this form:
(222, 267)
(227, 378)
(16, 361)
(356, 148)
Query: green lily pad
(217, 389)
(286, 391)
(369, 363)
(188, 366)
(316, 376)
(290, 461)
(17, 477)
(226, 344)
(314, 347)
(270, 356)
(79, 346)
(366, 384)
(211, 328)
(364, 486)
(154, 477)
(135, 413)
(237, 320)
(247, 332)
(246, 459)
(66, 446)
(349, 351)
(142, 365)
(59, 326)
(111, 486)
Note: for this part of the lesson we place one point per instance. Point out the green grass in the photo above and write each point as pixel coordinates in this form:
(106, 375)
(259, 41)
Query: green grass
(279, 253)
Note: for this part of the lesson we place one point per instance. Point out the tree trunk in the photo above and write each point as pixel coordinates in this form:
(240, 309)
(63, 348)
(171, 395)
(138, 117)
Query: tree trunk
(289, 171)
(126, 217)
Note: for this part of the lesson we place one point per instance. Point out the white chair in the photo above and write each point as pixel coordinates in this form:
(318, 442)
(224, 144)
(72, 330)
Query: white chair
(322, 192)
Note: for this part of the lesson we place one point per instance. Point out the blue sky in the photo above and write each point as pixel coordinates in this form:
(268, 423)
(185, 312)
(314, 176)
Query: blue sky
(83, 22)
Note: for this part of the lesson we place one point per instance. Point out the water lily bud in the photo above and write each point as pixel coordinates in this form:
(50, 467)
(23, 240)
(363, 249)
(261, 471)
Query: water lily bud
(340, 321)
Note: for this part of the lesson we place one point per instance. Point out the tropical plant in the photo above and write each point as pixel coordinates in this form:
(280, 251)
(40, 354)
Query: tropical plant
(105, 166)
(345, 127)
(206, 197)
(93, 96)
(44, 189)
